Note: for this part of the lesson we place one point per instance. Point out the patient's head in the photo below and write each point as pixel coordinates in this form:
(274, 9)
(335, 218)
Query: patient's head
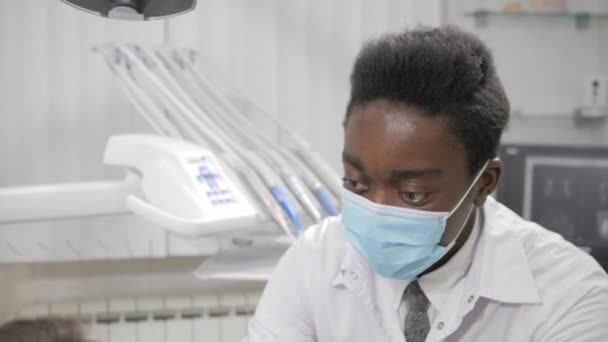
(42, 330)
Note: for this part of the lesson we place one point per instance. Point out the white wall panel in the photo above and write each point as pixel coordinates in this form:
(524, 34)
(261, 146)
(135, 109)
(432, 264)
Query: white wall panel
(293, 70)
(321, 89)
(58, 101)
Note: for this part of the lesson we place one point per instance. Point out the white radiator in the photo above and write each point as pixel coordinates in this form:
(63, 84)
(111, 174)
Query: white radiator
(200, 318)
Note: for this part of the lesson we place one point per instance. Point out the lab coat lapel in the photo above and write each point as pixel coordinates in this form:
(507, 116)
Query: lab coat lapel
(502, 268)
(499, 272)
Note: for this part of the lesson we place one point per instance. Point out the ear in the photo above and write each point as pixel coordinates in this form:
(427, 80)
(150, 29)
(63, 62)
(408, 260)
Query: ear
(489, 181)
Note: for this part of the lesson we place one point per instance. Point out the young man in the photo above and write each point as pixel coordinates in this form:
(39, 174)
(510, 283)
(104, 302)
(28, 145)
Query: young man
(421, 252)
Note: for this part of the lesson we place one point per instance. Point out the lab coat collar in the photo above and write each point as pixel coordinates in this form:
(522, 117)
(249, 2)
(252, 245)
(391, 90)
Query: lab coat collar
(499, 270)
(356, 276)
(354, 266)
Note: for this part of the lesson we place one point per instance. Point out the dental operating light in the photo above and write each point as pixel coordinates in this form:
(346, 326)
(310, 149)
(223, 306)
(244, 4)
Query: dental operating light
(134, 9)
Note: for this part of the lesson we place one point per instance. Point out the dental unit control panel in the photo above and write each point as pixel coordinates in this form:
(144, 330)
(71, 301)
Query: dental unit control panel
(186, 189)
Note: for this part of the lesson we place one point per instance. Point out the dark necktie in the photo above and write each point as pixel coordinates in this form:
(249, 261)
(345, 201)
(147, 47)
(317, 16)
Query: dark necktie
(417, 323)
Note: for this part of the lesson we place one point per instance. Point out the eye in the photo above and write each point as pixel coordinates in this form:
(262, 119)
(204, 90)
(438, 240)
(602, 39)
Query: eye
(353, 185)
(413, 198)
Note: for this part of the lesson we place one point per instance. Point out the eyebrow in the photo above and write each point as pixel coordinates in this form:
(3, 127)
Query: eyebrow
(414, 173)
(353, 161)
(395, 174)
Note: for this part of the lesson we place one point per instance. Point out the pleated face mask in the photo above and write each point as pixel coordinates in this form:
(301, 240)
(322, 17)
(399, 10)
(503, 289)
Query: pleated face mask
(397, 242)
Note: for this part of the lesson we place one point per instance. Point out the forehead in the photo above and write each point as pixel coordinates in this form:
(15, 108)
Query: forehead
(384, 137)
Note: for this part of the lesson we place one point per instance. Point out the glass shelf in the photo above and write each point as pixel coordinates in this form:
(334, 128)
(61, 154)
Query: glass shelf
(581, 19)
(573, 116)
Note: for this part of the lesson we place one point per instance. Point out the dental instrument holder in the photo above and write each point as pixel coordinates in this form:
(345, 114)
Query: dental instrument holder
(186, 189)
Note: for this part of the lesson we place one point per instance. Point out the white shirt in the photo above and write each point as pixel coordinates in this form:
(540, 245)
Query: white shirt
(438, 284)
(524, 283)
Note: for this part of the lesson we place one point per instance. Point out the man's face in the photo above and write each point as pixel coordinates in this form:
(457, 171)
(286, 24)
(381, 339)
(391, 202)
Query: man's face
(397, 156)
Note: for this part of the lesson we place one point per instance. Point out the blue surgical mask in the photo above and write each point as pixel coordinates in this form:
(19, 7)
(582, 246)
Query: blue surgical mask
(397, 242)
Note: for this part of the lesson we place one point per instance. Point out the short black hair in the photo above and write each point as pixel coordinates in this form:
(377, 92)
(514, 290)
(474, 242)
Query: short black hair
(45, 329)
(444, 71)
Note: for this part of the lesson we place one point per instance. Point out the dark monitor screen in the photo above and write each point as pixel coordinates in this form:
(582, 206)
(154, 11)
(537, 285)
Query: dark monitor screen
(563, 188)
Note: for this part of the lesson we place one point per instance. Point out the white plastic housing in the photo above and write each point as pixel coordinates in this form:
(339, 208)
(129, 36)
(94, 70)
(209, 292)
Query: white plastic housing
(186, 189)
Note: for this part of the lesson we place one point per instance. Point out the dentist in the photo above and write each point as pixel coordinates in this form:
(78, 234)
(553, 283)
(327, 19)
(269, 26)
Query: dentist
(421, 252)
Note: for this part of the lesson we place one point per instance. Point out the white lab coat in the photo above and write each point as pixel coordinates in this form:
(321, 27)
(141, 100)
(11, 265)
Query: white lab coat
(524, 284)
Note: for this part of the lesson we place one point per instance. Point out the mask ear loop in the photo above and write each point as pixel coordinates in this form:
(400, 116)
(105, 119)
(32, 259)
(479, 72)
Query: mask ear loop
(466, 194)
